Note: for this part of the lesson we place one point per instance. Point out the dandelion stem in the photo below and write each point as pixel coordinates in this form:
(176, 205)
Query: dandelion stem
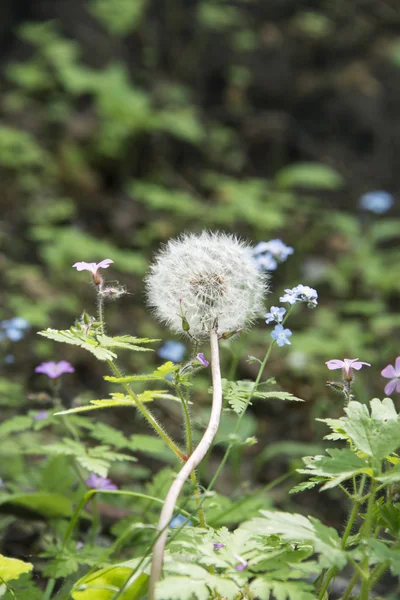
(191, 464)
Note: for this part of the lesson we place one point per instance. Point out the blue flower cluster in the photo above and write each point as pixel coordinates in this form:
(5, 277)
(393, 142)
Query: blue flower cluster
(13, 329)
(267, 255)
(301, 293)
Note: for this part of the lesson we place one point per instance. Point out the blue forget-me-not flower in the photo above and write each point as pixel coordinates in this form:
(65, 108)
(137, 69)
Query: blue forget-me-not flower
(281, 335)
(172, 350)
(377, 201)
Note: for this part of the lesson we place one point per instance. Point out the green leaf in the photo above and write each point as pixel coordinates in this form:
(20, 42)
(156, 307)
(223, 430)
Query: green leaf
(79, 339)
(190, 580)
(309, 175)
(377, 434)
(103, 584)
(266, 589)
(15, 425)
(126, 342)
(12, 568)
(278, 396)
(45, 504)
(151, 445)
(166, 369)
(337, 467)
(300, 529)
(382, 553)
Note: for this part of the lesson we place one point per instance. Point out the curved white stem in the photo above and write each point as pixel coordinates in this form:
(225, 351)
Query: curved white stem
(190, 465)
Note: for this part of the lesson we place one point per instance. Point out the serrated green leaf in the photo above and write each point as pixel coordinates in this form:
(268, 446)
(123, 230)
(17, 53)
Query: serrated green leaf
(377, 434)
(341, 464)
(160, 373)
(192, 581)
(266, 589)
(122, 342)
(79, 339)
(12, 568)
(278, 396)
(300, 529)
(305, 485)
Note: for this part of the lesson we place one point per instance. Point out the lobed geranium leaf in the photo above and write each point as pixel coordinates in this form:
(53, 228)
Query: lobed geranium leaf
(265, 589)
(126, 342)
(337, 467)
(300, 529)
(161, 373)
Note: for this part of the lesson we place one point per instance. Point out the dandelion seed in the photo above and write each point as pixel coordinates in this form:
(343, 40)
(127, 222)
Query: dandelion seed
(203, 281)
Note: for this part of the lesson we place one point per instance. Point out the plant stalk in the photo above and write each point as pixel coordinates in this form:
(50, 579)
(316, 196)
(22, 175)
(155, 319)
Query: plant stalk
(191, 464)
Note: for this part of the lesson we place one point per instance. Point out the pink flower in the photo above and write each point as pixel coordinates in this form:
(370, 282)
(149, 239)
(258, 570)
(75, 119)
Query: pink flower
(393, 373)
(93, 268)
(53, 369)
(347, 364)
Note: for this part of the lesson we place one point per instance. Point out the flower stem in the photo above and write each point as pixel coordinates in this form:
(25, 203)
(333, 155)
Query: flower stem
(148, 415)
(192, 462)
(189, 450)
(366, 530)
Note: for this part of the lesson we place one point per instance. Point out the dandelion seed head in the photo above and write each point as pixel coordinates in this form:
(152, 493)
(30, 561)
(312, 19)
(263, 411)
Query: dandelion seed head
(205, 280)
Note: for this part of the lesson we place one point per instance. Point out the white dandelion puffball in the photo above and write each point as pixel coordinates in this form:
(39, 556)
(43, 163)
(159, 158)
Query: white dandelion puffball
(202, 281)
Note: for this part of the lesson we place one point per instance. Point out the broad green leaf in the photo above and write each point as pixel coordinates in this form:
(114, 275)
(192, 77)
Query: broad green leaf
(12, 568)
(41, 503)
(382, 553)
(79, 339)
(337, 467)
(150, 444)
(266, 589)
(193, 581)
(377, 434)
(300, 529)
(15, 424)
(391, 476)
(103, 584)
(309, 175)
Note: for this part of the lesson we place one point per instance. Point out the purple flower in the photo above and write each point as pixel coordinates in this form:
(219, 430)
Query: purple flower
(218, 545)
(377, 201)
(172, 350)
(79, 545)
(100, 483)
(242, 563)
(202, 360)
(41, 415)
(347, 365)
(93, 267)
(281, 335)
(393, 373)
(53, 369)
(276, 313)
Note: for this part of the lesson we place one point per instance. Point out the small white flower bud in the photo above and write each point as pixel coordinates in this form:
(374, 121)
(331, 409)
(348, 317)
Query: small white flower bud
(202, 281)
